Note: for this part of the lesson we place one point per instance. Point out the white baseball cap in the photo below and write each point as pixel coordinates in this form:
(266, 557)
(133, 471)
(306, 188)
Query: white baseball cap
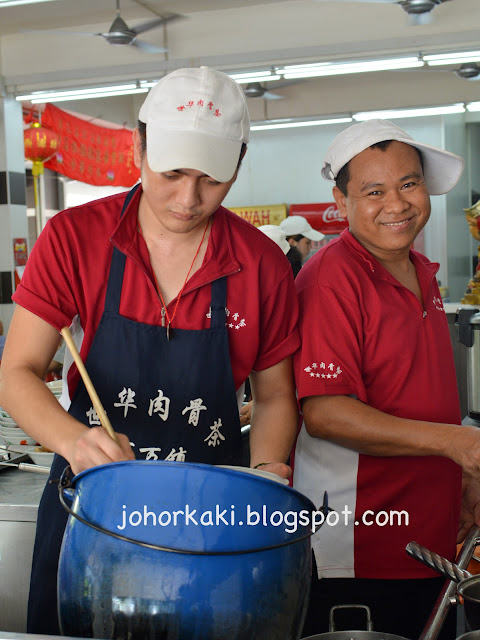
(441, 169)
(197, 118)
(299, 226)
(274, 232)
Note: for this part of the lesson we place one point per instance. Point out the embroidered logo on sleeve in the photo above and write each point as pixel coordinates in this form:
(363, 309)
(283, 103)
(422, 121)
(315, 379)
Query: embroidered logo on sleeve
(323, 370)
(438, 304)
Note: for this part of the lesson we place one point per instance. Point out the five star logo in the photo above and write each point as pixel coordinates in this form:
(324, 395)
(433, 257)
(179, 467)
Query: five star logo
(325, 370)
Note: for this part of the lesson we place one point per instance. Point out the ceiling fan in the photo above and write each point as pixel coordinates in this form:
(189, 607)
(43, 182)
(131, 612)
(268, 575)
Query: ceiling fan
(419, 11)
(257, 90)
(468, 71)
(121, 34)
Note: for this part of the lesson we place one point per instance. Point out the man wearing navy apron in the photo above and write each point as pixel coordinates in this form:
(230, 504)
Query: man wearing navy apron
(173, 302)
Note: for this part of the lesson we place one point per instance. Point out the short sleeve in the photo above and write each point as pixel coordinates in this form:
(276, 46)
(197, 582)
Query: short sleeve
(329, 361)
(46, 285)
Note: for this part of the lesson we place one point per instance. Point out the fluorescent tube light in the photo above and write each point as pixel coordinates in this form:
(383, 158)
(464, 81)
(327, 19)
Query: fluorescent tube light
(14, 3)
(297, 123)
(147, 84)
(341, 68)
(293, 67)
(86, 96)
(38, 97)
(389, 114)
(452, 58)
(258, 76)
(473, 106)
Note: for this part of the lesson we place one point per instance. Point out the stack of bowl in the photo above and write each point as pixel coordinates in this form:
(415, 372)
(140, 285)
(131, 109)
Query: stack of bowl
(10, 432)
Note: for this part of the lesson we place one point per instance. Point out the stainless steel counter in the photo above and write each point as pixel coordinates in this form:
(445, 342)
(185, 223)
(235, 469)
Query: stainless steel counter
(20, 494)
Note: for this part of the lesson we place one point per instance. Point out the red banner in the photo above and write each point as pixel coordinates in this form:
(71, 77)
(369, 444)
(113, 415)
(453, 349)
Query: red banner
(323, 216)
(89, 153)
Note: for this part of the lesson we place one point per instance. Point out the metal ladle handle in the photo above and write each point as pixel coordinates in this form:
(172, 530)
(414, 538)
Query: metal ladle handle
(447, 595)
(436, 562)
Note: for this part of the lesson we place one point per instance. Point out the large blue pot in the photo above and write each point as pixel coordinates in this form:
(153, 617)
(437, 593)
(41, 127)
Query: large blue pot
(225, 577)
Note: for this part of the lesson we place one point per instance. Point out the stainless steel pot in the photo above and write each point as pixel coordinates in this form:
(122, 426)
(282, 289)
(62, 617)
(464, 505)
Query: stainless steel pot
(367, 634)
(467, 323)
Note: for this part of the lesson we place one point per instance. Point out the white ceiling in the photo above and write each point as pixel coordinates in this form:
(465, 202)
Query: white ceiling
(238, 34)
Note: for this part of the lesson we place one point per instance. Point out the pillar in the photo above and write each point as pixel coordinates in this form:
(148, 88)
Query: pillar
(13, 209)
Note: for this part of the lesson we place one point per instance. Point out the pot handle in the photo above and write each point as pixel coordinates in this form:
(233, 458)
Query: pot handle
(331, 624)
(436, 562)
(64, 483)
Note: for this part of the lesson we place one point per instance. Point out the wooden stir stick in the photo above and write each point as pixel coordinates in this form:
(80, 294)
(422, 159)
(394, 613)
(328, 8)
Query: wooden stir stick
(97, 405)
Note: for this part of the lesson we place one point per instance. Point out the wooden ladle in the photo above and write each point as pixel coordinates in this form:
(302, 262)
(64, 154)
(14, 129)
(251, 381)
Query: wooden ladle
(97, 405)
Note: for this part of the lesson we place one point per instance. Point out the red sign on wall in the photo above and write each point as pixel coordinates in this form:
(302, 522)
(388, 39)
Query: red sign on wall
(323, 216)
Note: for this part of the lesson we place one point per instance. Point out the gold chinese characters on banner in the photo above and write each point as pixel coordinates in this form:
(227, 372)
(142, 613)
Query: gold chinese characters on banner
(262, 214)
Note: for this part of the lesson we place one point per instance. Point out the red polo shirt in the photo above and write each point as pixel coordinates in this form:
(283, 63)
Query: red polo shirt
(364, 334)
(67, 273)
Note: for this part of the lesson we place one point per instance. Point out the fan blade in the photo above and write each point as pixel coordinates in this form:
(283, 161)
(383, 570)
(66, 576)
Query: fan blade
(147, 47)
(152, 24)
(269, 95)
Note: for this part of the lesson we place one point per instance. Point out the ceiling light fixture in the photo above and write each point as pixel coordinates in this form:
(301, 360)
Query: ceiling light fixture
(342, 68)
(282, 124)
(409, 113)
(452, 58)
(14, 3)
(254, 76)
(40, 97)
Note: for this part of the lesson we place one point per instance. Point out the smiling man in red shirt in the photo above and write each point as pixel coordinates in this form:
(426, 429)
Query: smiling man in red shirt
(376, 381)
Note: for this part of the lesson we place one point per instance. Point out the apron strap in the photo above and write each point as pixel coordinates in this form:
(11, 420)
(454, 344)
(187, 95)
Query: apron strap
(117, 266)
(218, 303)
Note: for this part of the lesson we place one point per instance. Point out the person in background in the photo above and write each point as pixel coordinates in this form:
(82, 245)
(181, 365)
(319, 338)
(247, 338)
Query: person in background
(376, 381)
(296, 260)
(173, 302)
(275, 233)
(300, 234)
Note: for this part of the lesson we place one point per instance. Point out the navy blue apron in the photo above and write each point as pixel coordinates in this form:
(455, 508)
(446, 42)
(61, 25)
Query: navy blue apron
(175, 399)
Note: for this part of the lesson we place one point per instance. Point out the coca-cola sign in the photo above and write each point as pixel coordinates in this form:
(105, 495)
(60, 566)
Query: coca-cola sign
(323, 216)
